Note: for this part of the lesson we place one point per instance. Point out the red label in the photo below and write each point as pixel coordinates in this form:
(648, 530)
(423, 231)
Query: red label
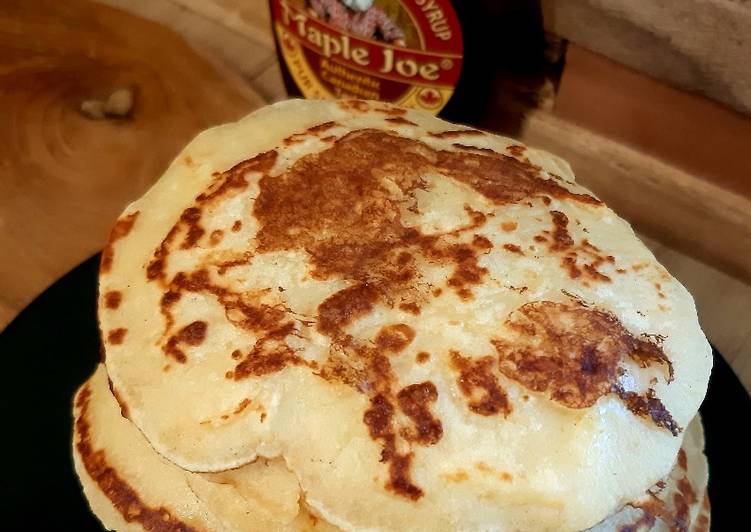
(404, 51)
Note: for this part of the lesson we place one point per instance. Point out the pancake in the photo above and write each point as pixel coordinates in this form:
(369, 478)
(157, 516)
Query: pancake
(130, 487)
(433, 320)
(677, 502)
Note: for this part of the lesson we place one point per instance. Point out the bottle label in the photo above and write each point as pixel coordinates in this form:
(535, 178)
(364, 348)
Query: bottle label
(408, 52)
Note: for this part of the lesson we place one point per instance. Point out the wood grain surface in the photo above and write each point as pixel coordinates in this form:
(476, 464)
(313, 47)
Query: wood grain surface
(64, 176)
(699, 45)
(235, 36)
(691, 132)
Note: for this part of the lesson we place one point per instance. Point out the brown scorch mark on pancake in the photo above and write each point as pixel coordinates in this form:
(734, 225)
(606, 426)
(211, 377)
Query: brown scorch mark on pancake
(112, 299)
(481, 242)
(582, 260)
(702, 520)
(400, 120)
(366, 368)
(242, 260)
(192, 334)
(457, 133)
(645, 353)
(359, 106)
(116, 336)
(702, 524)
(391, 111)
(233, 180)
(269, 354)
(320, 128)
(124, 410)
(467, 270)
(488, 470)
(660, 293)
(516, 150)
(242, 405)
(411, 307)
(191, 218)
(645, 522)
(415, 400)
(379, 418)
(561, 237)
(570, 352)
(682, 460)
(675, 512)
(345, 306)
(123, 496)
(394, 338)
(479, 384)
(476, 149)
(216, 237)
(573, 354)
(312, 131)
(169, 298)
(361, 217)
(120, 230)
(349, 191)
(682, 501)
(648, 406)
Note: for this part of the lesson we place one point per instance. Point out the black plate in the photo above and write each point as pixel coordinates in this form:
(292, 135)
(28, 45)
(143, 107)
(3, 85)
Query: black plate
(53, 346)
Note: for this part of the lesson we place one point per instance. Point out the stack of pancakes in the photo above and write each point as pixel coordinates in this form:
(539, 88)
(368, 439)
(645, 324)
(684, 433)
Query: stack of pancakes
(349, 315)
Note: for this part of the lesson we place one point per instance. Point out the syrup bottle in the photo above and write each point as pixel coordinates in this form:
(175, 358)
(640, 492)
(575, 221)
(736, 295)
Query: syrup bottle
(469, 61)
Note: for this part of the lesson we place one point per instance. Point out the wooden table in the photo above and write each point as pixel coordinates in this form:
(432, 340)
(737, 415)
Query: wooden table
(52, 218)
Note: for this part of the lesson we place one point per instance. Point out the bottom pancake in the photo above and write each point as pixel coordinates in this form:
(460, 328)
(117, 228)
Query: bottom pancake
(679, 502)
(131, 487)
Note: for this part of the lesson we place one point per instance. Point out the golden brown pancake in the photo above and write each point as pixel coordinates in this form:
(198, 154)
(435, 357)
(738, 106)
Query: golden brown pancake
(130, 487)
(433, 320)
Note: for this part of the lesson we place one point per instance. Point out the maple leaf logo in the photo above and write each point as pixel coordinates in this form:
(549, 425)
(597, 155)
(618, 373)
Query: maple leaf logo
(429, 98)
